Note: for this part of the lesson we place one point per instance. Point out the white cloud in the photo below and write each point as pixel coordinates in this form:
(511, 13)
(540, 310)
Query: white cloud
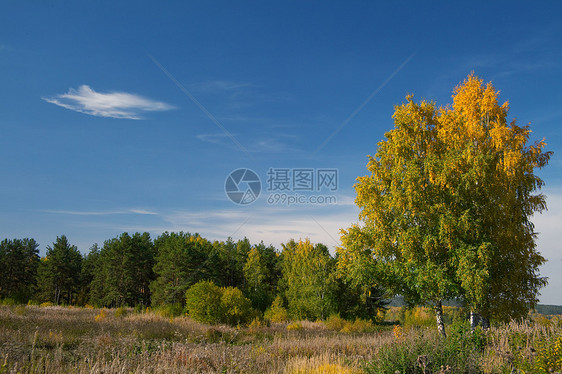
(100, 213)
(110, 104)
(548, 225)
(274, 225)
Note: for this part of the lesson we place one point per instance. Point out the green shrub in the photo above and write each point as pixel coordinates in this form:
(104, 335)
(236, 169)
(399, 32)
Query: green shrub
(549, 355)
(8, 301)
(206, 302)
(276, 312)
(359, 325)
(169, 310)
(294, 326)
(203, 302)
(335, 322)
(426, 352)
(121, 312)
(419, 316)
(236, 308)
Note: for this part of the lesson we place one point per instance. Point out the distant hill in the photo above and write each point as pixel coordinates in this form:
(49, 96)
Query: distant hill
(540, 308)
(549, 309)
(399, 301)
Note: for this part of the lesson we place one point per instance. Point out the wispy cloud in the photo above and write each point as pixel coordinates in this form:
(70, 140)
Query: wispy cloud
(100, 212)
(219, 86)
(273, 143)
(234, 95)
(109, 104)
(273, 225)
(217, 138)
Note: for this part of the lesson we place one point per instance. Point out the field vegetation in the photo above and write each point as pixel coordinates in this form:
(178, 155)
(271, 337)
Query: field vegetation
(49, 339)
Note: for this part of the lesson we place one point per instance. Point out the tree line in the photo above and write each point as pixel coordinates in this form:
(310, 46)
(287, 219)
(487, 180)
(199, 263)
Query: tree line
(136, 271)
(445, 213)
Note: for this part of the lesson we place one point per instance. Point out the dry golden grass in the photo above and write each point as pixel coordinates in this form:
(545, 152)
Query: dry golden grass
(57, 339)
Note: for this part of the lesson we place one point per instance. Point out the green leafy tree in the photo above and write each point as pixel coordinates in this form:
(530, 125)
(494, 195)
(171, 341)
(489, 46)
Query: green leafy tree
(489, 172)
(445, 210)
(19, 259)
(182, 260)
(203, 302)
(277, 312)
(59, 272)
(256, 275)
(237, 309)
(206, 302)
(308, 280)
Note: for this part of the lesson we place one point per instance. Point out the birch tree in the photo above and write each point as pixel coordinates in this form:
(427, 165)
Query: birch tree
(445, 211)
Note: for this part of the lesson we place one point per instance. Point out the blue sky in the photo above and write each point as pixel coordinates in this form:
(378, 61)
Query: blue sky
(129, 116)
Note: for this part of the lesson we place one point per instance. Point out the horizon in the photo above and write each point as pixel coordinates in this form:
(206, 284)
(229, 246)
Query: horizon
(130, 118)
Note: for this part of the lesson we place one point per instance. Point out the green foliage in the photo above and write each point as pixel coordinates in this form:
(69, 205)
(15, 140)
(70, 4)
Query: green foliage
(549, 309)
(90, 265)
(19, 259)
(335, 322)
(258, 279)
(446, 208)
(206, 302)
(276, 312)
(169, 310)
(294, 326)
(124, 271)
(59, 273)
(426, 353)
(121, 312)
(237, 309)
(549, 355)
(358, 326)
(418, 317)
(8, 301)
(232, 258)
(182, 260)
(309, 280)
(203, 302)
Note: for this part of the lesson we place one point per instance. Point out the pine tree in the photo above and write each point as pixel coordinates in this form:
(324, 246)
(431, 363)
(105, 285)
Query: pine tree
(59, 273)
(19, 259)
(183, 259)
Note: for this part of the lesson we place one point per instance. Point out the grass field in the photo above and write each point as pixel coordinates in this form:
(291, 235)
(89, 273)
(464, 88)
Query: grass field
(52, 339)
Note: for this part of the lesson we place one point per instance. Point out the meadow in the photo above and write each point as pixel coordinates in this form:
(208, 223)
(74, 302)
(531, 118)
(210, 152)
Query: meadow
(53, 339)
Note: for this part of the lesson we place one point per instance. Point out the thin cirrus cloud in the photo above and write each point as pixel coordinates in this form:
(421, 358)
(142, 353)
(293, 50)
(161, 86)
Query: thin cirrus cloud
(121, 105)
(101, 213)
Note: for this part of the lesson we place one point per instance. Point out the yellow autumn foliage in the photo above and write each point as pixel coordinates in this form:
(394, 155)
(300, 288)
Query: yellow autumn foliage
(446, 207)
